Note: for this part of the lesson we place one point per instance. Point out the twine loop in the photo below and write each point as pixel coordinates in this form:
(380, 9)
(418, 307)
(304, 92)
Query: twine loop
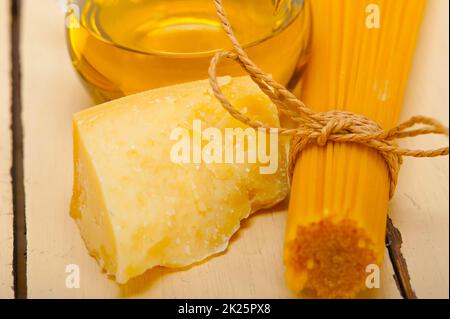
(322, 127)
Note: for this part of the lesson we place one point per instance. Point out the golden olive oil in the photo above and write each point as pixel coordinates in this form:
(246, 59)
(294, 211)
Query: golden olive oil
(122, 47)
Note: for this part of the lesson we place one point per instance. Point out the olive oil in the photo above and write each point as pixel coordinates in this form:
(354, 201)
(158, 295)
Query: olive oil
(122, 47)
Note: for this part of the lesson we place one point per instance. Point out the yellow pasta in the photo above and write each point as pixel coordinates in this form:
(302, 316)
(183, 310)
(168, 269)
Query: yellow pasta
(340, 193)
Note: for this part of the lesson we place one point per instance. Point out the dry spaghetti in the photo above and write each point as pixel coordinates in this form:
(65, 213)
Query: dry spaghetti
(323, 245)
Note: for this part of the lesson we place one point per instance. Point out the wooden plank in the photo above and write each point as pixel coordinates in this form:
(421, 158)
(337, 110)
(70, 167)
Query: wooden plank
(420, 207)
(6, 208)
(51, 94)
(251, 267)
(52, 235)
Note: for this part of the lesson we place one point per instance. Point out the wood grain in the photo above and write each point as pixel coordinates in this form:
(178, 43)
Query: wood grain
(252, 265)
(420, 208)
(6, 208)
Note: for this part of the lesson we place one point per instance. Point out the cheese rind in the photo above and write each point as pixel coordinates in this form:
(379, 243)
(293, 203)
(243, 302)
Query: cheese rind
(135, 207)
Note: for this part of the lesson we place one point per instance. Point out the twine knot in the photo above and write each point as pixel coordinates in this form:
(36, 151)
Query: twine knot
(322, 127)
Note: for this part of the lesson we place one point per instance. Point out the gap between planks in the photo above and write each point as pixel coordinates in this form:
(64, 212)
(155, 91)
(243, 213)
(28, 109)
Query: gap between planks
(20, 241)
(401, 274)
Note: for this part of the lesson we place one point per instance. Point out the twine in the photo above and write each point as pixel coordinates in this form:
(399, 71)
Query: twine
(322, 127)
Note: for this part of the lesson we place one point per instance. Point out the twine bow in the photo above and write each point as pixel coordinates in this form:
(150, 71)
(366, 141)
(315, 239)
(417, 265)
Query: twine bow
(322, 127)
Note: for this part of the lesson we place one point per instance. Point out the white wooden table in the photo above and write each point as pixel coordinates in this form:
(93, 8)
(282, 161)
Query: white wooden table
(252, 266)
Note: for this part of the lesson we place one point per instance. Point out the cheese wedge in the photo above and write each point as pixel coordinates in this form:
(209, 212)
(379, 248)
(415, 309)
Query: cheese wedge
(136, 207)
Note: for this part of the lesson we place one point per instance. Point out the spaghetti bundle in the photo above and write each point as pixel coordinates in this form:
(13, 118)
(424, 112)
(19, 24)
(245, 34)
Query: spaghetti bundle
(344, 161)
(360, 58)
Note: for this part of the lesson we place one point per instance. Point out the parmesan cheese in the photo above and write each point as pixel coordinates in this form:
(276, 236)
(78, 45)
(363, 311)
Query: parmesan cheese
(135, 207)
